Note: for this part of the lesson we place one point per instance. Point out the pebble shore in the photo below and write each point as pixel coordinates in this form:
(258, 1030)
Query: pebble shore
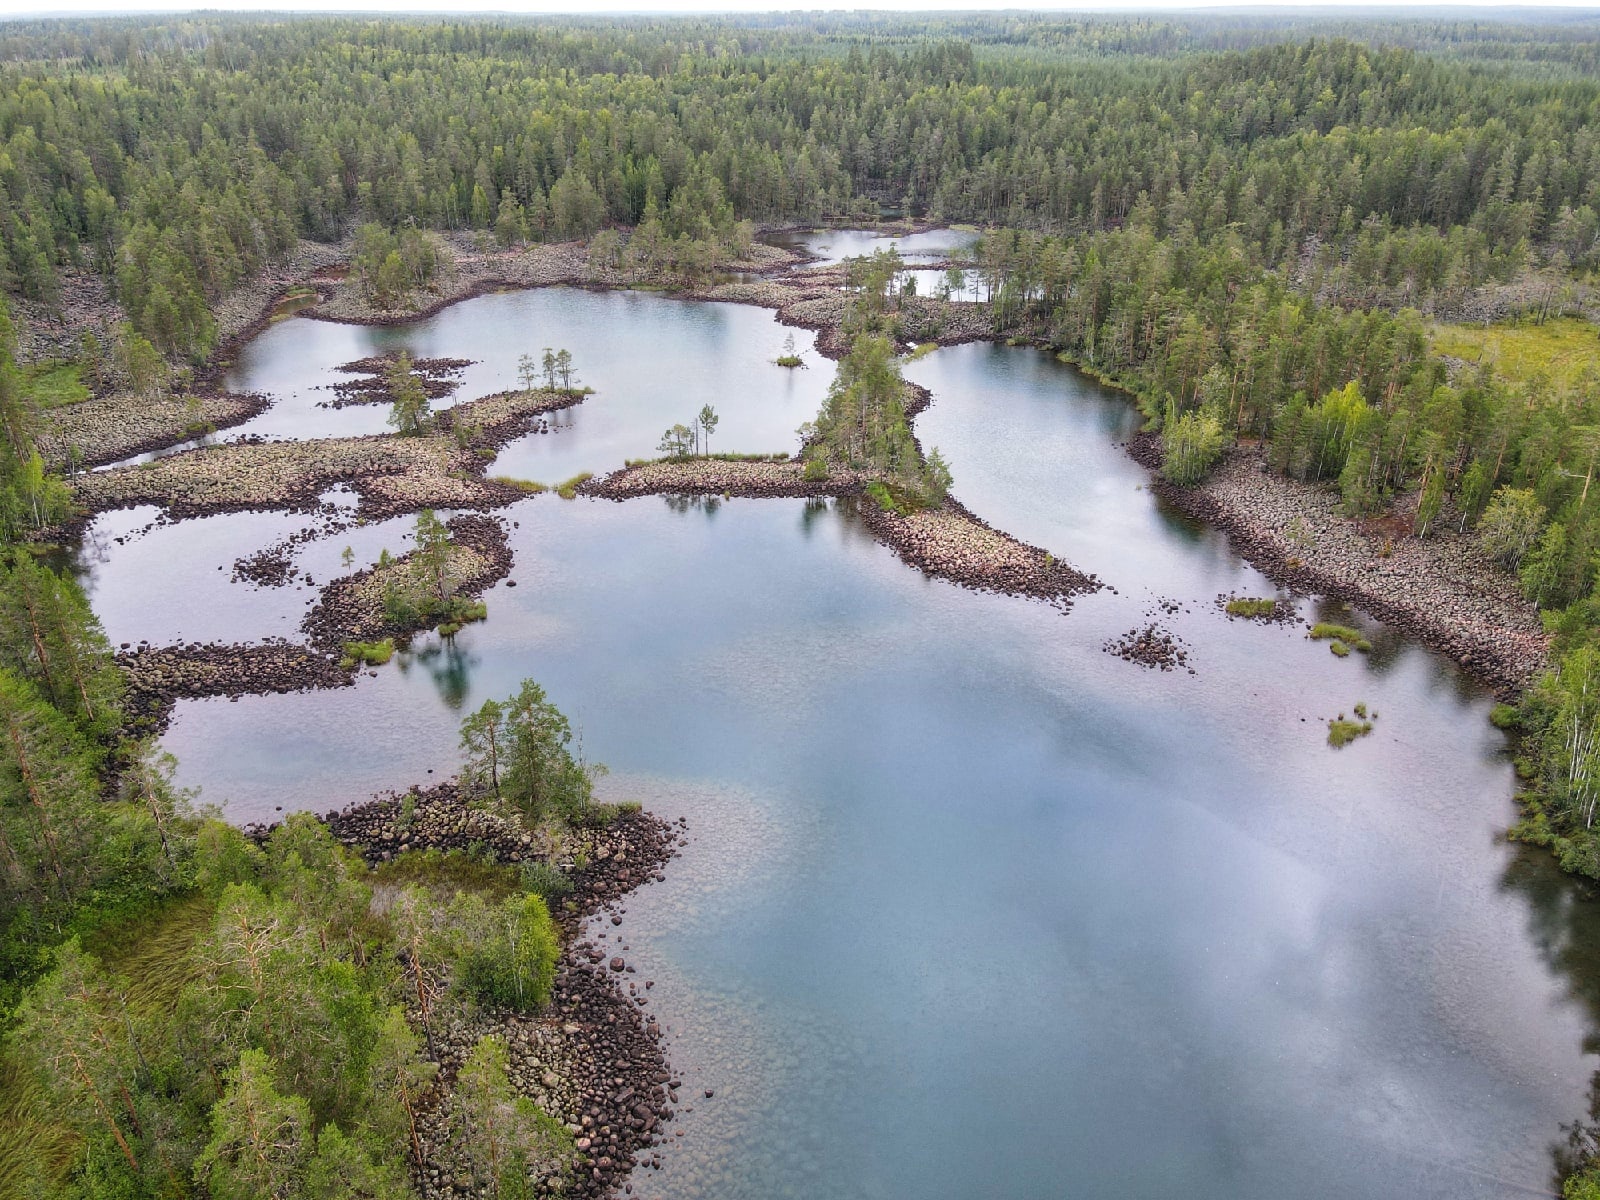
(594, 1060)
(1442, 590)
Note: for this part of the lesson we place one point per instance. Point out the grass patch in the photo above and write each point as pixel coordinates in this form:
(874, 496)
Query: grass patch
(447, 872)
(1559, 350)
(1253, 607)
(546, 880)
(463, 612)
(527, 486)
(1342, 732)
(51, 385)
(1340, 636)
(370, 654)
(922, 351)
(568, 488)
(790, 360)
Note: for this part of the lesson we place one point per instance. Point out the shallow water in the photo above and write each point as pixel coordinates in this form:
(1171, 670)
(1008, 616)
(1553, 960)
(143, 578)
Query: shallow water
(833, 246)
(652, 361)
(975, 908)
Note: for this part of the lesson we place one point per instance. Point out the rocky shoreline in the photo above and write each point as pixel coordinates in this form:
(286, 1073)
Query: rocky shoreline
(351, 608)
(159, 676)
(111, 428)
(1442, 591)
(947, 542)
(391, 475)
(594, 1061)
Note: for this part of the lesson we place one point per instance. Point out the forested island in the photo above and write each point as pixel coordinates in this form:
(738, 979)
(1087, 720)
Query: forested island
(1343, 267)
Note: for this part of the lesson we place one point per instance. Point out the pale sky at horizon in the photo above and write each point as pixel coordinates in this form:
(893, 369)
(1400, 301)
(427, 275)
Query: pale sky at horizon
(32, 8)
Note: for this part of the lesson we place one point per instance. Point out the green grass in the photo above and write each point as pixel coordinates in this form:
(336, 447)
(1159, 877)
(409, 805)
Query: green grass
(1560, 349)
(1252, 607)
(1342, 732)
(51, 385)
(151, 953)
(1341, 636)
(922, 351)
(790, 360)
(371, 654)
(567, 489)
(448, 872)
(529, 486)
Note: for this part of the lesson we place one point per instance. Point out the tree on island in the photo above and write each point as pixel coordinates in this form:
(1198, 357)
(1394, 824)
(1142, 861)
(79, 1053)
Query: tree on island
(527, 372)
(518, 751)
(707, 423)
(410, 410)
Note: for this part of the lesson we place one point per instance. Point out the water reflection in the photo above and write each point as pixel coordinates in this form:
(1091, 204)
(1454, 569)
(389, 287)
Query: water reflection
(975, 901)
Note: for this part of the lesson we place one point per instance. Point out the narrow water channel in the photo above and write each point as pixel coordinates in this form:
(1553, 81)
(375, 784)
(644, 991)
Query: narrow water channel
(973, 908)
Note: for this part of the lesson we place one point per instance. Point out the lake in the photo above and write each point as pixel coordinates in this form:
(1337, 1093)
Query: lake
(973, 907)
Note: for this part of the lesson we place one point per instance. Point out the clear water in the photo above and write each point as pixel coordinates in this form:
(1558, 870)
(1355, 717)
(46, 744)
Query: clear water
(932, 283)
(650, 360)
(833, 246)
(974, 908)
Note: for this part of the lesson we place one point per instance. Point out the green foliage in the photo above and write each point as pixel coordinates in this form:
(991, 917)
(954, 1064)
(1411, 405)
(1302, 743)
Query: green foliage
(372, 654)
(1191, 444)
(514, 950)
(545, 880)
(389, 267)
(1252, 607)
(1510, 524)
(1340, 635)
(517, 750)
(409, 411)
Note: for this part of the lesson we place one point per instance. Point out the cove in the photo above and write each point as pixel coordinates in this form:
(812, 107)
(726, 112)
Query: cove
(975, 908)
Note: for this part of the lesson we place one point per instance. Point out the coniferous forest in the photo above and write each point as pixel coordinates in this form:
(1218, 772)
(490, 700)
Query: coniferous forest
(1367, 246)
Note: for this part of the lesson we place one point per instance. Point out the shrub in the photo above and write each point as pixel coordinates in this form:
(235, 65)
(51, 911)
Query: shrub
(1190, 446)
(514, 965)
(816, 469)
(545, 880)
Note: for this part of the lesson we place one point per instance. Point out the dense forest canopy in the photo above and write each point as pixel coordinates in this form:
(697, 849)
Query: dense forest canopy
(179, 157)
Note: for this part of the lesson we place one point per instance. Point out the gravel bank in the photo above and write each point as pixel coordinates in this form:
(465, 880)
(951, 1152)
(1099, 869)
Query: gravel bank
(1442, 590)
(121, 425)
(390, 474)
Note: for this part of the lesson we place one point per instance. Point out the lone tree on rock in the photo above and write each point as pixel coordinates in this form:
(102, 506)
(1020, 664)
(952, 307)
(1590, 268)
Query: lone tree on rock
(410, 411)
(707, 421)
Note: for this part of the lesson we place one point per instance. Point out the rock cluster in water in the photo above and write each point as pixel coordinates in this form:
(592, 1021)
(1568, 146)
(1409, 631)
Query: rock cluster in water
(157, 677)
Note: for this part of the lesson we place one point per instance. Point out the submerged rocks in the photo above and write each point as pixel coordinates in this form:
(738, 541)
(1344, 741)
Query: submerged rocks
(1151, 646)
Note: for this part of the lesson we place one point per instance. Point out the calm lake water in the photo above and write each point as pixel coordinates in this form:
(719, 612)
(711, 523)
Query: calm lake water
(833, 246)
(972, 907)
